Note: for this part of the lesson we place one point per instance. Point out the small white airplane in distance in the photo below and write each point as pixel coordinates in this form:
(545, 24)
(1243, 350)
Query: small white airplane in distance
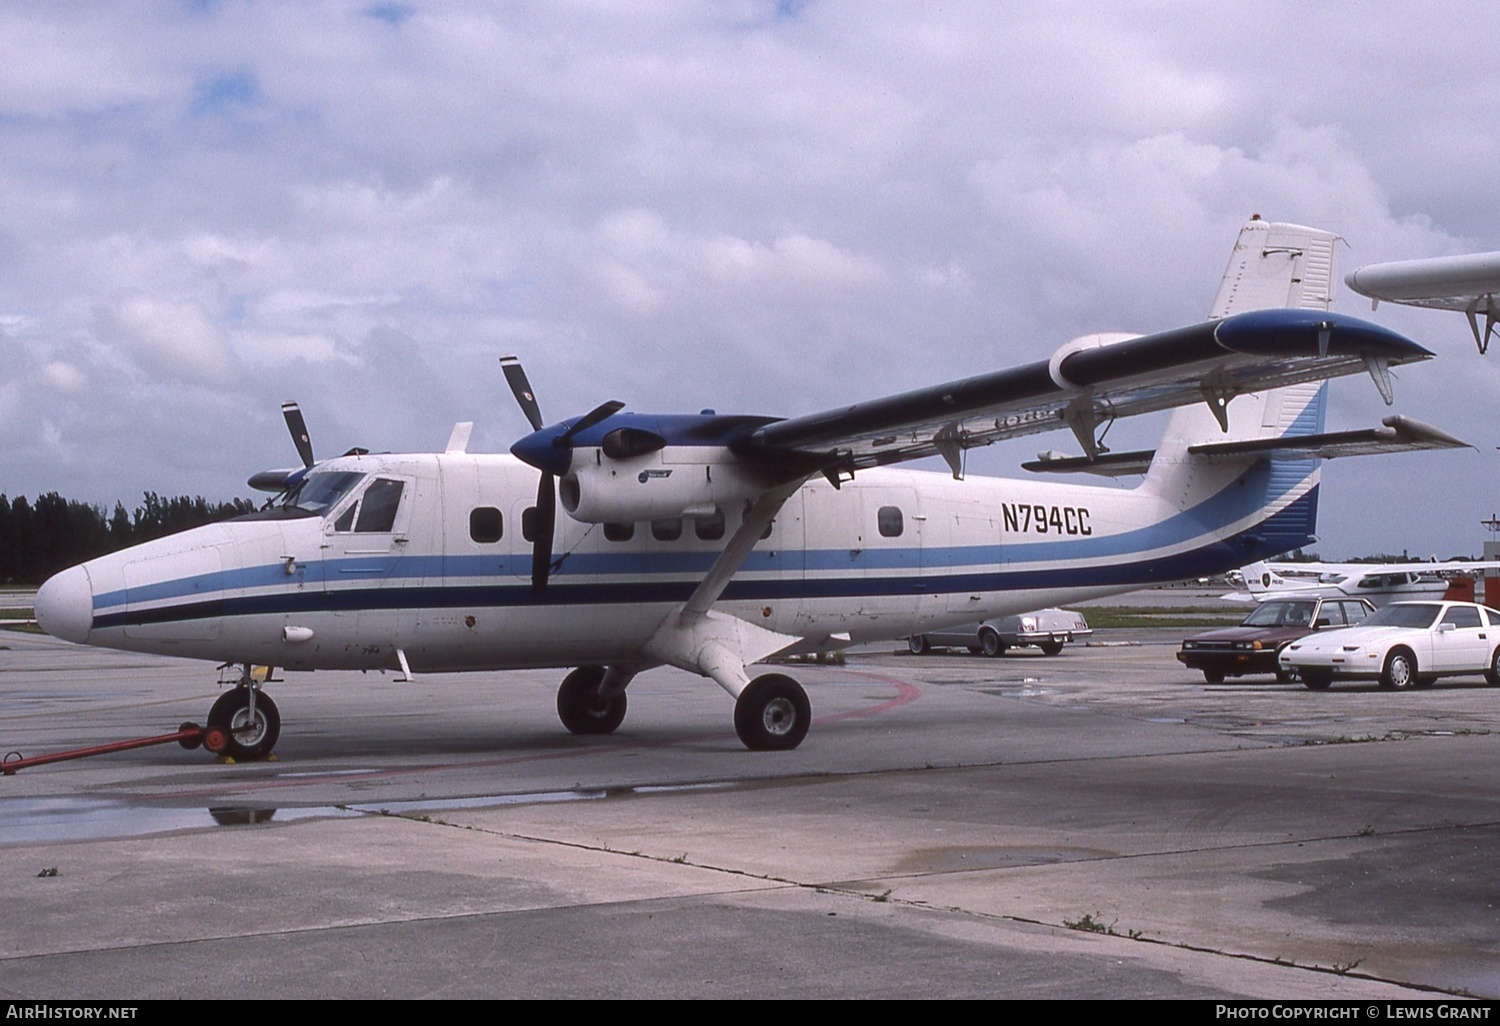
(710, 542)
(1468, 283)
(1381, 583)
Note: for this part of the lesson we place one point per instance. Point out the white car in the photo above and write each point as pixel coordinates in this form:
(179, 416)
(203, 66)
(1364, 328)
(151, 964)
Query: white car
(1404, 645)
(1047, 629)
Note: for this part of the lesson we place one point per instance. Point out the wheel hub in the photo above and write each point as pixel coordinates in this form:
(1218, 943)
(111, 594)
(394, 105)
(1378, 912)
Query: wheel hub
(780, 716)
(248, 730)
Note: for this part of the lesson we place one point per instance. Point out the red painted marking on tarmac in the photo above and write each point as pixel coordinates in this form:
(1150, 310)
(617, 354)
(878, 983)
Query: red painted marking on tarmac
(906, 693)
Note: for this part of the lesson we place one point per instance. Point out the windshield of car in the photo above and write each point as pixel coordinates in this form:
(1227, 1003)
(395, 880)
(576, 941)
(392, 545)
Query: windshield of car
(318, 493)
(1281, 614)
(1403, 614)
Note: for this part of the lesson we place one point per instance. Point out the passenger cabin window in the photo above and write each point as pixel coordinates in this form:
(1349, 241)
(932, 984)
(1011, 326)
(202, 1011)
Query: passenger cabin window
(710, 528)
(619, 532)
(528, 523)
(889, 521)
(667, 529)
(486, 526)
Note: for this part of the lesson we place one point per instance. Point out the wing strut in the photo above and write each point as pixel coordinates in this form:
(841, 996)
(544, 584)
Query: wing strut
(697, 638)
(1487, 304)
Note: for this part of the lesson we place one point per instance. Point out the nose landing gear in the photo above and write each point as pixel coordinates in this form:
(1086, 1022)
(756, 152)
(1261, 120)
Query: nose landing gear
(244, 723)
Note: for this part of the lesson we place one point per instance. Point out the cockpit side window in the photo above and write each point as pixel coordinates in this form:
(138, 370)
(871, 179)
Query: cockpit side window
(377, 509)
(374, 512)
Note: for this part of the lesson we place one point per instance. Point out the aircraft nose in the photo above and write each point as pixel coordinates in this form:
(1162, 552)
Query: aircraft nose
(65, 605)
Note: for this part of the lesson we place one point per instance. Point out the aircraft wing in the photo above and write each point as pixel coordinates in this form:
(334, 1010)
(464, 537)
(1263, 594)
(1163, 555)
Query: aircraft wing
(1364, 569)
(1467, 283)
(1088, 382)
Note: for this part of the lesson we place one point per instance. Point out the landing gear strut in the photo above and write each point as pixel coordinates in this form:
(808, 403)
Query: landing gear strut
(243, 724)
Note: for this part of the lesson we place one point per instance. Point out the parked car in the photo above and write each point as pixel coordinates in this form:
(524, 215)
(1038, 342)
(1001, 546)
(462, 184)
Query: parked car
(1253, 646)
(1404, 645)
(1047, 629)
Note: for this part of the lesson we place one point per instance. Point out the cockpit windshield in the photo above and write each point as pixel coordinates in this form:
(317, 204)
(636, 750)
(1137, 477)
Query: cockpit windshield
(318, 493)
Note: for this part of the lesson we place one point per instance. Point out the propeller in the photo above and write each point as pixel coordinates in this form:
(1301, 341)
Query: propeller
(281, 480)
(298, 427)
(551, 456)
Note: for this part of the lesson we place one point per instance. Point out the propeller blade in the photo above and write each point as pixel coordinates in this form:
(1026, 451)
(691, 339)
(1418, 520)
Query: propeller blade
(521, 388)
(546, 524)
(298, 427)
(588, 420)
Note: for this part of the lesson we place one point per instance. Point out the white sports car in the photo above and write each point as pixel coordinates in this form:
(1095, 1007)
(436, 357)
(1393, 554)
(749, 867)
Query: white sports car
(1404, 645)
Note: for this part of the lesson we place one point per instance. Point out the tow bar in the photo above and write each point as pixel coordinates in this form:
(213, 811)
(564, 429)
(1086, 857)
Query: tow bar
(189, 736)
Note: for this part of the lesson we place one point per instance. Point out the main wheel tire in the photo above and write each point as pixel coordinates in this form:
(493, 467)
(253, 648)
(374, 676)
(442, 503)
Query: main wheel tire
(1400, 670)
(917, 644)
(990, 643)
(1316, 681)
(580, 708)
(772, 714)
(246, 736)
(1051, 647)
(1492, 675)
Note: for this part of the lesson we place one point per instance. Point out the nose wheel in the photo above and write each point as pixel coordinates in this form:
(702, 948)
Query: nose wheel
(240, 728)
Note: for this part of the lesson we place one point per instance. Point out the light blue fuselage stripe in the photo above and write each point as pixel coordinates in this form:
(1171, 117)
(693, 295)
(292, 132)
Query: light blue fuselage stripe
(1262, 485)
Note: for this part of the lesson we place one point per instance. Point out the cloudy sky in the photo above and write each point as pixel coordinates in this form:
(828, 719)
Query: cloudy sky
(754, 206)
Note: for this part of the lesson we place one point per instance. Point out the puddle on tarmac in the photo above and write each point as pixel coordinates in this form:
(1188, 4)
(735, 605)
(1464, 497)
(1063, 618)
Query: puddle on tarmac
(43, 820)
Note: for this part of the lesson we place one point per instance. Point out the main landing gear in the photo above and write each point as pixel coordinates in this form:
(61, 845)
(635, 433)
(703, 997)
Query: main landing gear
(244, 723)
(771, 714)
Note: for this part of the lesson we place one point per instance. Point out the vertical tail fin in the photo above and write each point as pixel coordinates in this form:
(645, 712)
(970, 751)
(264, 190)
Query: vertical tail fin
(1273, 265)
(1277, 265)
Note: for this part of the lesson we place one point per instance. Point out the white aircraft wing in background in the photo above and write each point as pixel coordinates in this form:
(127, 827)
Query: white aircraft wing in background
(1467, 283)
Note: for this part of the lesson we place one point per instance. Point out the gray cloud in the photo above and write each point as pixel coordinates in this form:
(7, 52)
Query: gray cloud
(751, 206)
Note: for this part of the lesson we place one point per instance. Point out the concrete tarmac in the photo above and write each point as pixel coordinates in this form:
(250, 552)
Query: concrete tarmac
(1098, 824)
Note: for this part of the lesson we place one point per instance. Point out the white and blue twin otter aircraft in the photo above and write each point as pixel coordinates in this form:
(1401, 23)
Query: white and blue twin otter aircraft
(711, 542)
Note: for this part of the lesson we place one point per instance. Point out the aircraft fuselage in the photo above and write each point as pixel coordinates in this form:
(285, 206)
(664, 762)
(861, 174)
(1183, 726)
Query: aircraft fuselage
(447, 581)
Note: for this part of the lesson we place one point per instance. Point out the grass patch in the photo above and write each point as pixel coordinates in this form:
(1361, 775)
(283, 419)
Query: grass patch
(1105, 617)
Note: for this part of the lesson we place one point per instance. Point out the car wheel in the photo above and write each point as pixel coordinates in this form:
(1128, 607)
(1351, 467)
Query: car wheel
(1316, 681)
(1283, 675)
(1400, 672)
(990, 644)
(917, 644)
(1213, 676)
(1492, 675)
(1051, 647)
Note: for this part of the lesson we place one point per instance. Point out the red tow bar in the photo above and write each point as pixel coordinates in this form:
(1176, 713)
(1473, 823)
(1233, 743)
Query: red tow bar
(189, 736)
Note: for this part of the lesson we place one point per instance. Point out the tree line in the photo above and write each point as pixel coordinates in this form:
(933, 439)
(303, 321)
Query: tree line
(39, 538)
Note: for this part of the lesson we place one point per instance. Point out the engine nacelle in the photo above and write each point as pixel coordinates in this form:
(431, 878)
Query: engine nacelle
(1081, 344)
(674, 481)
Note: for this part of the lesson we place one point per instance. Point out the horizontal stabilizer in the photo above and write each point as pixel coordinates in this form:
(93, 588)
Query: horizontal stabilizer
(1400, 434)
(1109, 464)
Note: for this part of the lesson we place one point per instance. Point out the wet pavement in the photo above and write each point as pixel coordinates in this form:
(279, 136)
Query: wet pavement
(1096, 824)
